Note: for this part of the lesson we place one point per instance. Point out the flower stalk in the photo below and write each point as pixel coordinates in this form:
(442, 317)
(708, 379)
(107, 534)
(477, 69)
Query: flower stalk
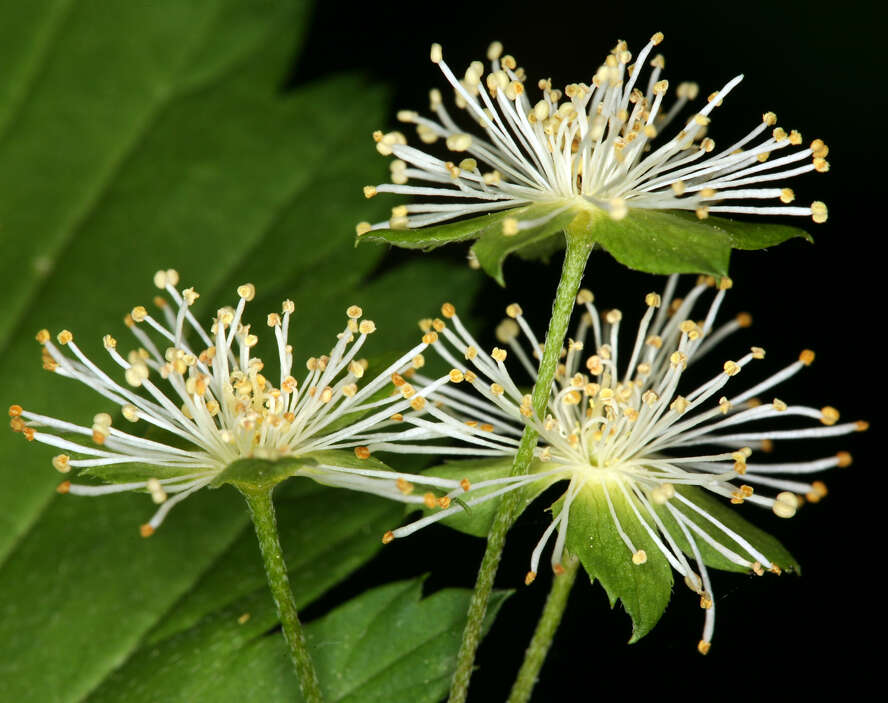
(263, 516)
(545, 631)
(576, 254)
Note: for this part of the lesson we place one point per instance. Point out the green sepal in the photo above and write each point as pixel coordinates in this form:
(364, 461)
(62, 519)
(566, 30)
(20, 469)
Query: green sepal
(125, 473)
(493, 246)
(755, 235)
(255, 474)
(477, 519)
(644, 589)
(427, 238)
(729, 516)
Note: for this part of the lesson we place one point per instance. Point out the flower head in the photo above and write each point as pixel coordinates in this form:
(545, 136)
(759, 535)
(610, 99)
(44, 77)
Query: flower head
(642, 453)
(195, 401)
(597, 146)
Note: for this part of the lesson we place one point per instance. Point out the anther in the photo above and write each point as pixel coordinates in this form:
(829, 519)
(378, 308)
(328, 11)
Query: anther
(362, 452)
(829, 415)
(785, 504)
(388, 537)
(640, 557)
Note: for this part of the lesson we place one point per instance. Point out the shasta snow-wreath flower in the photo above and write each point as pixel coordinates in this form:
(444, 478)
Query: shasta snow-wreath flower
(198, 400)
(642, 454)
(598, 147)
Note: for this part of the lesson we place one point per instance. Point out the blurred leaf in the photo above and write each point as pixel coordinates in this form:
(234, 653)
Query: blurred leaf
(134, 137)
(223, 659)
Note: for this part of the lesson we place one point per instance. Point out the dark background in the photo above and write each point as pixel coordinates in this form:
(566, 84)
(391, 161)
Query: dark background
(817, 67)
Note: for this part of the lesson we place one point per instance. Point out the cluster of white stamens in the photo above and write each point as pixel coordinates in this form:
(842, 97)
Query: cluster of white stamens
(627, 430)
(215, 397)
(588, 146)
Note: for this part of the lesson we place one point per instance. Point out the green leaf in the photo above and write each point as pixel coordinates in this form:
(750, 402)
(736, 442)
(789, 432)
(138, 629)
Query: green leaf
(644, 589)
(358, 660)
(326, 535)
(477, 519)
(728, 515)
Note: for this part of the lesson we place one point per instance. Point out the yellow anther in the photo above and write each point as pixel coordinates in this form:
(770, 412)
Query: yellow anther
(702, 212)
(819, 212)
(430, 337)
(418, 403)
(731, 368)
(654, 341)
(678, 187)
(769, 118)
(369, 191)
(438, 325)
(418, 361)
(436, 53)
(829, 415)
(778, 405)
(679, 405)
(785, 504)
(367, 327)
(146, 530)
(471, 377)
(757, 353)
(61, 463)
(362, 452)
(471, 353)
(806, 357)
(585, 296)
(456, 376)
(498, 354)
(817, 493)
(662, 493)
(640, 557)
(529, 578)
(388, 537)
(787, 195)
(677, 359)
(459, 142)
(612, 317)
(514, 310)
(273, 320)
(861, 426)
(448, 310)
(818, 149)
(843, 459)
(657, 38)
(595, 365)
(429, 500)
(362, 228)
(507, 330)
(510, 227)
(496, 389)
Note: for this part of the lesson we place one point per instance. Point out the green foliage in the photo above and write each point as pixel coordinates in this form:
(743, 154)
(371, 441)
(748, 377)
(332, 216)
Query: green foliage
(224, 658)
(142, 136)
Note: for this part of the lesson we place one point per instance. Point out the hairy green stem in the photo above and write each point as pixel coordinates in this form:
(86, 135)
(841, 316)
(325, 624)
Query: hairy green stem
(545, 631)
(575, 257)
(262, 512)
